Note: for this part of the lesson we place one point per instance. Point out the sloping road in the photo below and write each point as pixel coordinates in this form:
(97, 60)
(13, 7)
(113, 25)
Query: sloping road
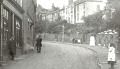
(58, 56)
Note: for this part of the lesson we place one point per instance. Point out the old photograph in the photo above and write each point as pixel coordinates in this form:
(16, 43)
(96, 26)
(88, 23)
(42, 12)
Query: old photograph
(59, 34)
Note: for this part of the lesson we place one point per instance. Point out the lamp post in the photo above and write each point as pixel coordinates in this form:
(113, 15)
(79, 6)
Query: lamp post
(77, 34)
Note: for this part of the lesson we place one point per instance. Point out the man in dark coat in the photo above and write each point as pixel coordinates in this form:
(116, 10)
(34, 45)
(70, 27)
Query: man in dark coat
(39, 44)
(11, 48)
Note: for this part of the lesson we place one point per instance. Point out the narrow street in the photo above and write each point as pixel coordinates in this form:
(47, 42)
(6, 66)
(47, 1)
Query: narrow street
(57, 56)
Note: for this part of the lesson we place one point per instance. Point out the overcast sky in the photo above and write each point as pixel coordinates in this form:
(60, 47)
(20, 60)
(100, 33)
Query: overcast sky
(48, 3)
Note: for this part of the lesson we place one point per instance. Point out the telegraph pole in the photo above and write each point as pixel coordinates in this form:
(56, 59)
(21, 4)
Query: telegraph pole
(63, 33)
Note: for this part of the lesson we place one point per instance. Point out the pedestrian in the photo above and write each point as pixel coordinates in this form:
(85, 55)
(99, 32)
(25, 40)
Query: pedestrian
(39, 43)
(73, 40)
(11, 48)
(111, 55)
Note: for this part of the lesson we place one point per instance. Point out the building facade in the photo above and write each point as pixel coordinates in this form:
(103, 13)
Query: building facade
(17, 19)
(29, 20)
(86, 8)
(10, 25)
(78, 9)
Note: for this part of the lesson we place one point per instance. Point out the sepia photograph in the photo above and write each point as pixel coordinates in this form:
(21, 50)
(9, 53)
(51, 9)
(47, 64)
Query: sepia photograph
(59, 34)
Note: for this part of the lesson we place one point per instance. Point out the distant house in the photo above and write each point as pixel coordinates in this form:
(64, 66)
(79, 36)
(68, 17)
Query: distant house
(76, 10)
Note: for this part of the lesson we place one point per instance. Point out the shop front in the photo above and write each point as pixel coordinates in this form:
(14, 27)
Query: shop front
(10, 25)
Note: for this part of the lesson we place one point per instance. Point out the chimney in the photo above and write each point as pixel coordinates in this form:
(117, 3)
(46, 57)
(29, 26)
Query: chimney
(70, 2)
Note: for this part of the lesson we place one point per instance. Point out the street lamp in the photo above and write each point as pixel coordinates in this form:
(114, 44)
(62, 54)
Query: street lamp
(63, 33)
(77, 34)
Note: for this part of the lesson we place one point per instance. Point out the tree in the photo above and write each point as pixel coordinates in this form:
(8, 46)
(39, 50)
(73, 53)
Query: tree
(40, 26)
(113, 6)
(95, 22)
(115, 17)
(56, 27)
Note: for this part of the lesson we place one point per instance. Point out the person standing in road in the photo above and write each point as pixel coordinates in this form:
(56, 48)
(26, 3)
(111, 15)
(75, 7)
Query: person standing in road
(39, 43)
(11, 48)
(73, 40)
(111, 55)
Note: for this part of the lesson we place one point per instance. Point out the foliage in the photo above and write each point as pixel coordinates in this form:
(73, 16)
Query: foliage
(57, 27)
(115, 20)
(52, 27)
(40, 26)
(95, 22)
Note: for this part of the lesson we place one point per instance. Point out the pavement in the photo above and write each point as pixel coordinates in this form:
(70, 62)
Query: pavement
(101, 53)
(17, 59)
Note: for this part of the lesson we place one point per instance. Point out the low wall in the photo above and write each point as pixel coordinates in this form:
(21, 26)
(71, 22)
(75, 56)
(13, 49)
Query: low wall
(100, 39)
(105, 39)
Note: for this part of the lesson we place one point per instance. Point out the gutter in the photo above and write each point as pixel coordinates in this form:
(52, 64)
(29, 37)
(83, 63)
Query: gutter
(17, 6)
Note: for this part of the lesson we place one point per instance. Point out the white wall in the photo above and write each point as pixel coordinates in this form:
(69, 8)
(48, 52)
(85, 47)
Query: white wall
(88, 8)
(81, 10)
(80, 13)
(93, 7)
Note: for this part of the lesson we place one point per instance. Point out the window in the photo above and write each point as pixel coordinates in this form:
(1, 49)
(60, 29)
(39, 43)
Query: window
(5, 13)
(63, 11)
(17, 24)
(98, 7)
(77, 16)
(66, 11)
(5, 31)
(71, 18)
(19, 2)
(71, 11)
(29, 24)
(78, 8)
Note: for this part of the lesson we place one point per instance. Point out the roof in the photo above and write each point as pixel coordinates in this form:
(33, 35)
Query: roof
(83, 1)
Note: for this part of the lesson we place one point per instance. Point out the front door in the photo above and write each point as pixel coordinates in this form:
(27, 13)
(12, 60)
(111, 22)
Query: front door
(7, 30)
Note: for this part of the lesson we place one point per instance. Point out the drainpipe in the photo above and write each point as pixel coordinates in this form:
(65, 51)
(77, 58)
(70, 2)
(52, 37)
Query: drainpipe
(1, 27)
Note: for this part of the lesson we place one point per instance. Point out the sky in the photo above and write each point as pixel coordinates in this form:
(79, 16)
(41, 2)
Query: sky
(48, 3)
